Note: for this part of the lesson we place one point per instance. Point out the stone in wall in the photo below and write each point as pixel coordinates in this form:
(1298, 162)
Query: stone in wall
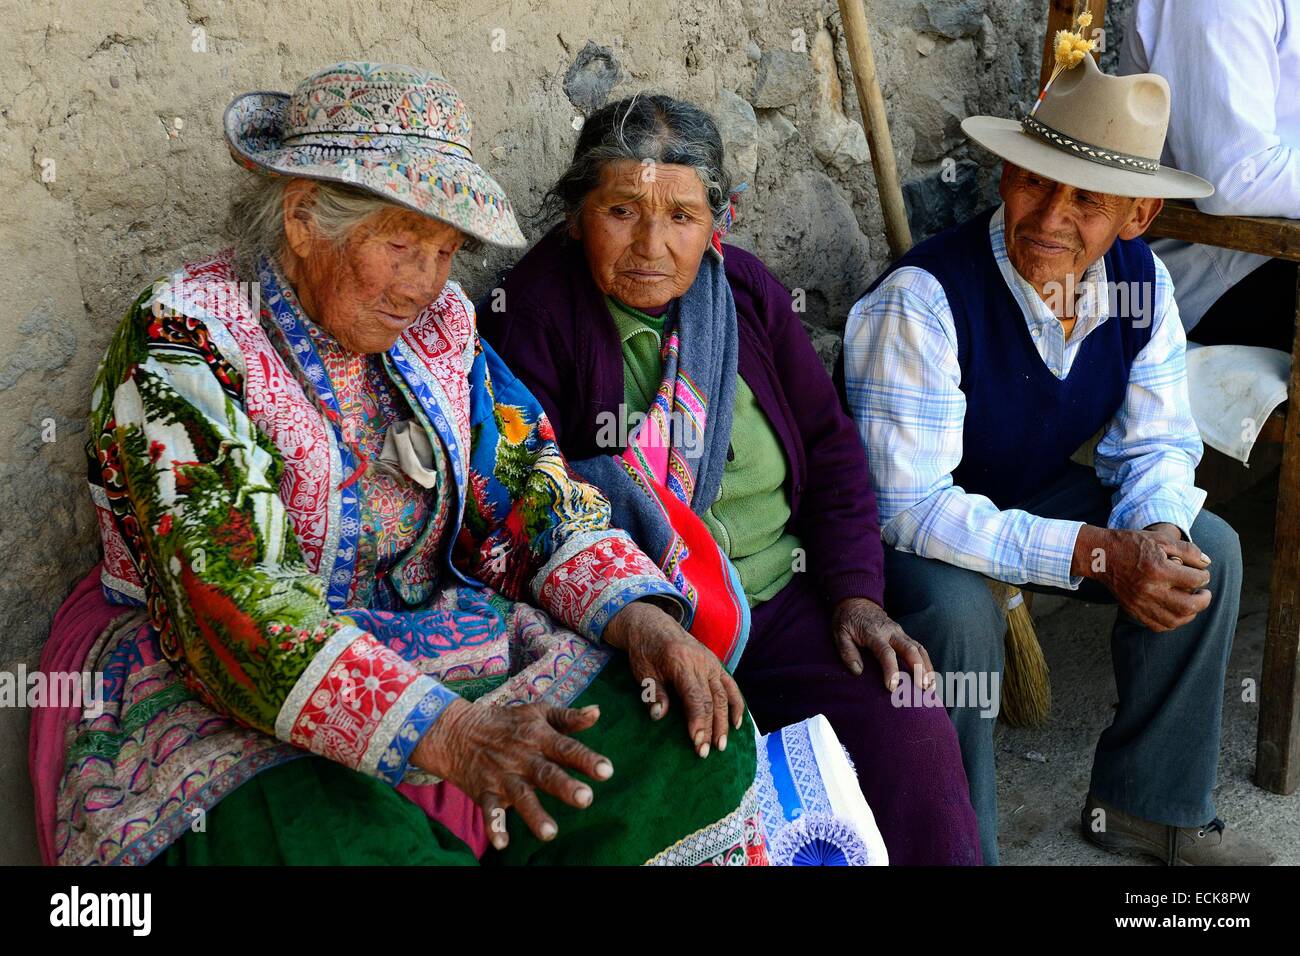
(1118, 14)
(738, 128)
(943, 198)
(827, 344)
(935, 110)
(593, 73)
(952, 20)
(837, 140)
(784, 78)
(811, 238)
(776, 131)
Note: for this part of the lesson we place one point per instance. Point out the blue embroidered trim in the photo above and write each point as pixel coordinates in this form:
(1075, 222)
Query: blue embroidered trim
(114, 596)
(626, 591)
(289, 322)
(397, 755)
(420, 384)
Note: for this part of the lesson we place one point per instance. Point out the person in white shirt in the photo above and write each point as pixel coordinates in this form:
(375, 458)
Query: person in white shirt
(1233, 70)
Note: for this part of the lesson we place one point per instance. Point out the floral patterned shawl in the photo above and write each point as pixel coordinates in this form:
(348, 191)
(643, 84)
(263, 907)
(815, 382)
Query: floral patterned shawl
(227, 504)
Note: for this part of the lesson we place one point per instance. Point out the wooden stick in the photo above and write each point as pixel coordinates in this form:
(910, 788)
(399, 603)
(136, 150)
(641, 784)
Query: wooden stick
(872, 102)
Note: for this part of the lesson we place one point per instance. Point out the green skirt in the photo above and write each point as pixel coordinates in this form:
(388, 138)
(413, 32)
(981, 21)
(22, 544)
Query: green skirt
(664, 804)
(314, 812)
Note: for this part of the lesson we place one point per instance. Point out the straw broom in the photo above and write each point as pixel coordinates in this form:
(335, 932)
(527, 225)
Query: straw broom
(1026, 685)
(1026, 681)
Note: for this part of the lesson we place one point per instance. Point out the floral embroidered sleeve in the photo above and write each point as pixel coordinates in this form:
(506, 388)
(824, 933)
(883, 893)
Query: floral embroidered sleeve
(532, 529)
(193, 489)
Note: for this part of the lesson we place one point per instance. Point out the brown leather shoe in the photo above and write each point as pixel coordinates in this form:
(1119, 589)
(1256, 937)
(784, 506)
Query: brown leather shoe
(1210, 845)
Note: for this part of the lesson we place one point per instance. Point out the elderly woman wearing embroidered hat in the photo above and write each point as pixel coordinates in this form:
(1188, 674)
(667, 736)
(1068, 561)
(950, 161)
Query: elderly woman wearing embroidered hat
(342, 540)
(976, 366)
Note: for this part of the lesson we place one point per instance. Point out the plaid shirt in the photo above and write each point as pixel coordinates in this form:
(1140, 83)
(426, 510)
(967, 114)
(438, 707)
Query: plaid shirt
(903, 379)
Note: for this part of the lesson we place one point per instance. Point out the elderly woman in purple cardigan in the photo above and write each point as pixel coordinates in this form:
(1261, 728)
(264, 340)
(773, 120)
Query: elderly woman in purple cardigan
(678, 378)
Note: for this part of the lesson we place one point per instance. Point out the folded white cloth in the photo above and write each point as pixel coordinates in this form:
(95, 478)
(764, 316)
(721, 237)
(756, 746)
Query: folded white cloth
(1233, 390)
(813, 811)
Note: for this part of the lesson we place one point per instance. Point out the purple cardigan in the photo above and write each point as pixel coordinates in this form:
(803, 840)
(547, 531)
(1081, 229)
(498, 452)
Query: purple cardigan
(556, 334)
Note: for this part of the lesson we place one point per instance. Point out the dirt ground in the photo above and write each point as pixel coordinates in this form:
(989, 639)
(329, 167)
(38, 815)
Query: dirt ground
(1039, 802)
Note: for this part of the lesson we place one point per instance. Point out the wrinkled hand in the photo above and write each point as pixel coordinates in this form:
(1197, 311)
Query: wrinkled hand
(860, 622)
(499, 755)
(1155, 576)
(661, 652)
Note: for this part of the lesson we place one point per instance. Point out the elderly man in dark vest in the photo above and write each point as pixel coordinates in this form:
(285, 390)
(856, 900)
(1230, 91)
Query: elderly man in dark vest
(975, 367)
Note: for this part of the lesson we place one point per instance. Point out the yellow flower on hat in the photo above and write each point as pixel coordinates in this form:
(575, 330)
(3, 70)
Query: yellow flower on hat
(1072, 45)
(1070, 49)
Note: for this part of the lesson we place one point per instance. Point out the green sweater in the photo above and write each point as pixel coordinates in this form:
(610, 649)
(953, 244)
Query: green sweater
(750, 516)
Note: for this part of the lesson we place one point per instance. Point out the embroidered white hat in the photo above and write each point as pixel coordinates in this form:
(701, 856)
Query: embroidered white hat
(397, 131)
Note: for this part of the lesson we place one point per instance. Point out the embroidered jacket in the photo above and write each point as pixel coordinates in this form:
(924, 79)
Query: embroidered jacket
(227, 503)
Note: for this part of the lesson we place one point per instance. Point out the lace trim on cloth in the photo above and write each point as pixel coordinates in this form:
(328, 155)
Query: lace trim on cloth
(812, 811)
(818, 839)
(735, 840)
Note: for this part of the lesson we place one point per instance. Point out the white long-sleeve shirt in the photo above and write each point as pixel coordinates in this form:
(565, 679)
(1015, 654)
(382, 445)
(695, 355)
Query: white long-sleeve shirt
(1233, 68)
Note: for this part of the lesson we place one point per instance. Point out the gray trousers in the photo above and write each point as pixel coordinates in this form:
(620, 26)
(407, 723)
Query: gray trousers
(1159, 757)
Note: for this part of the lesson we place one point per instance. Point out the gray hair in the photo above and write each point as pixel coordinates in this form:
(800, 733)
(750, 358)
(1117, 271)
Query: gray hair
(255, 222)
(644, 127)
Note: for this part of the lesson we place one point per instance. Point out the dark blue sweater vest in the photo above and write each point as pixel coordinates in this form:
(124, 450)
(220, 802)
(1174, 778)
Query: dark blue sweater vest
(1022, 422)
